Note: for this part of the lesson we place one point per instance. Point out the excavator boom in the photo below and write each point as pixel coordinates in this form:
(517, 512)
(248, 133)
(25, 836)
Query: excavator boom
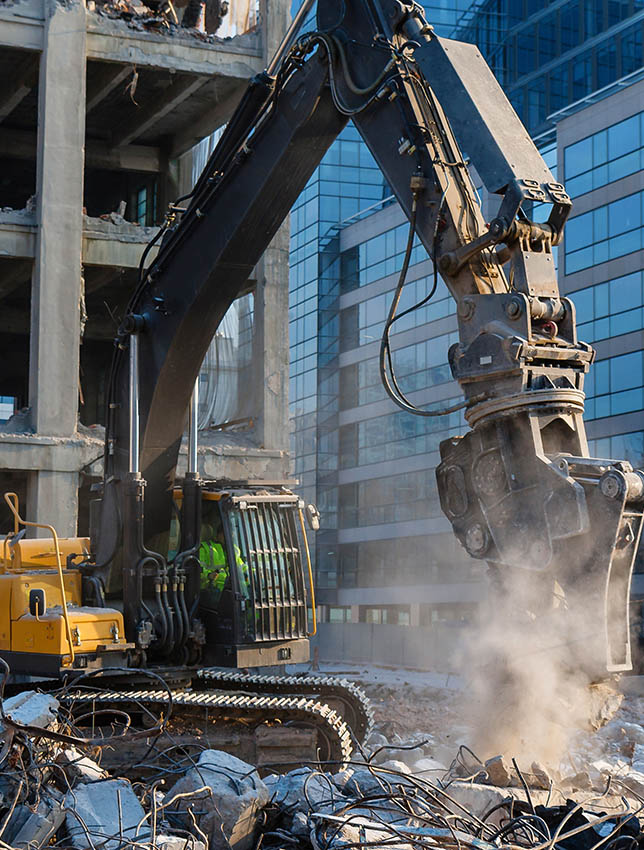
(519, 488)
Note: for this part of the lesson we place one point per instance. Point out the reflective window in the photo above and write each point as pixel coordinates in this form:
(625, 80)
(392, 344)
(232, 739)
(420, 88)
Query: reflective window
(631, 49)
(593, 17)
(569, 17)
(396, 498)
(339, 615)
(527, 50)
(628, 447)
(605, 233)
(605, 156)
(411, 560)
(547, 38)
(558, 81)
(417, 367)
(606, 64)
(378, 257)
(582, 75)
(401, 435)
(617, 11)
(365, 323)
(615, 385)
(536, 102)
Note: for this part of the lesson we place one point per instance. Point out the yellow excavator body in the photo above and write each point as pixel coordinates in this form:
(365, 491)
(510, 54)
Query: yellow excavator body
(43, 624)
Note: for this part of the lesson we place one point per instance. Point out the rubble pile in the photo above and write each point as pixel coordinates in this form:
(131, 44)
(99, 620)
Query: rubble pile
(55, 791)
(165, 16)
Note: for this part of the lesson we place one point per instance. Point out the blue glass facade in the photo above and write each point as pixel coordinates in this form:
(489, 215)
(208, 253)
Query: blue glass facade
(548, 54)
(605, 156)
(610, 308)
(370, 467)
(605, 233)
(347, 187)
(602, 161)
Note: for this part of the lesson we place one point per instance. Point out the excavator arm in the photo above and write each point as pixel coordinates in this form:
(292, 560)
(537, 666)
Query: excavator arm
(519, 487)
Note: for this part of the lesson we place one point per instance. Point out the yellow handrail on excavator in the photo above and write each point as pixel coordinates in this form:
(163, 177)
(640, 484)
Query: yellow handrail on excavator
(308, 561)
(14, 506)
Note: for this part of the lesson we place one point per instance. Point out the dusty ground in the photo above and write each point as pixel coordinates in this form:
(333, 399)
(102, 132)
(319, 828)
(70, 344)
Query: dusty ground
(412, 706)
(411, 703)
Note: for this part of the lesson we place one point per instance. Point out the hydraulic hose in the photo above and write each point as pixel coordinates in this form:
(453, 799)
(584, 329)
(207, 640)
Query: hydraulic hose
(184, 612)
(169, 614)
(177, 611)
(164, 623)
(387, 372)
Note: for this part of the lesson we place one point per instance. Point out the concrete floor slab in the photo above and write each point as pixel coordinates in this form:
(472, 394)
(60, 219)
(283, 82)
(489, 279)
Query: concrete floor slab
(22, 24)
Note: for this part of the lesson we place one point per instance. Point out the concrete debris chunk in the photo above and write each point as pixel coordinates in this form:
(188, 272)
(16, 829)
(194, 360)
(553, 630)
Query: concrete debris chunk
(633, 779)
(429, 768)
(395, 766)
(105, 815)
(78, 766)
(476, 798)
(605, 702)
(32, 709)
(599, 771)
(498, 772)
(363, 782)
(303, 788)
(375, 741)
(226, 796)
(538, 777)
(622, 732)
(341, 778)
(638, 758)
(361, 831)
(300, 825)
(178, 842)
(29, 829)
(580, 781)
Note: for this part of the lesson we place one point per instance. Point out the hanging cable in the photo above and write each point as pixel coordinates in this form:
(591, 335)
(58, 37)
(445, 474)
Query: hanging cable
(387, 371)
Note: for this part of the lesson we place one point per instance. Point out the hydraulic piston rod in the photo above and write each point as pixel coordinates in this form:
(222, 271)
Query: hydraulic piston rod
(134, 404)
(193, 430)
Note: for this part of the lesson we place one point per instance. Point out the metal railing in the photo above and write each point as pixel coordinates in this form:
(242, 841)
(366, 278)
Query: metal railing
(14, 506)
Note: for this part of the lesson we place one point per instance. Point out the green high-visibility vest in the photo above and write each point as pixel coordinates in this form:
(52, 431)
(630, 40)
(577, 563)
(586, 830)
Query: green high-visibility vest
(214, 566)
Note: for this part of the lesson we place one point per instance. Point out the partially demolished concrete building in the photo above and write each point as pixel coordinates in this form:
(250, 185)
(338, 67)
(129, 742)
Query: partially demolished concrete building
(100, 104)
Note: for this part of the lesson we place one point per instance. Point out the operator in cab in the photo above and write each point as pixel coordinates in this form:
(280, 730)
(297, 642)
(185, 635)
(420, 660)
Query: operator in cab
(215, 570)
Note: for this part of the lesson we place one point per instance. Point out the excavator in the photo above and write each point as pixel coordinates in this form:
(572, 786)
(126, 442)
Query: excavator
(519, 488)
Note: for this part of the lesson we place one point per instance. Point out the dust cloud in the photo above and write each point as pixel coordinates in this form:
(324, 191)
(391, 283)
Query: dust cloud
(527, 671)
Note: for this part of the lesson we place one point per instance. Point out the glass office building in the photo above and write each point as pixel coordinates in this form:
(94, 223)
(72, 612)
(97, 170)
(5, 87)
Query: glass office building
(385, 554)
(548, 55)
(349, 447)
(601, 149)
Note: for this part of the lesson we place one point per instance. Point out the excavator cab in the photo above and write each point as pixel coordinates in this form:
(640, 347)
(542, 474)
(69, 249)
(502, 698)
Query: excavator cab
(253, 565)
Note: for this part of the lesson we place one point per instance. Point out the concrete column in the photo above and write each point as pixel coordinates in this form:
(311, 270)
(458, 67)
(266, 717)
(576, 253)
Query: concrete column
(271, 297)
(52, 498)
(275, 16)
(355, 613)
(56, 286)
(271, 343)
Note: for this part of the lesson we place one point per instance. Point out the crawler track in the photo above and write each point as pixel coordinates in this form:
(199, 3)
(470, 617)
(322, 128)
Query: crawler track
(242, 711)
(350, 701)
